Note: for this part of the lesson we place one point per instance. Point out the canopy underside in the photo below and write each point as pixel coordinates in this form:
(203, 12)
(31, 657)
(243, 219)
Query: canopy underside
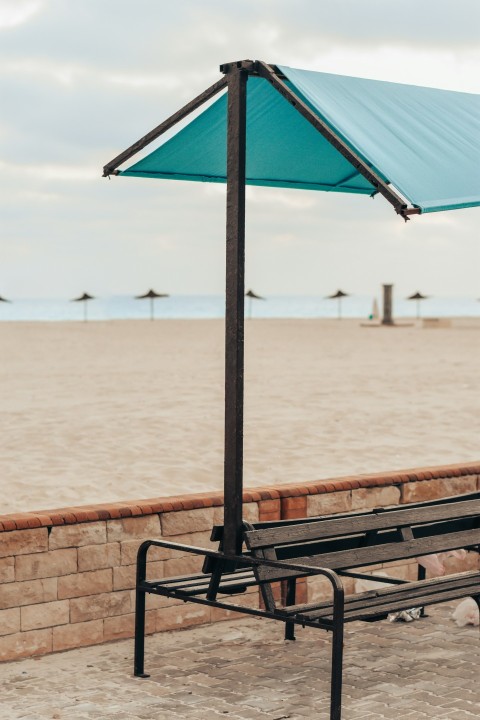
(425, 142)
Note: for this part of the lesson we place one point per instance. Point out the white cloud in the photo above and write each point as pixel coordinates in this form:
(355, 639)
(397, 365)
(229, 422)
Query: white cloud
(50, 172)
(433, 67)
(17, 12)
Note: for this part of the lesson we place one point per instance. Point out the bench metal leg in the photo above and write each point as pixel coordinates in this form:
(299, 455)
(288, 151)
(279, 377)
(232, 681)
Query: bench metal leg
(337, 674)
(422, 575)
(138, 665)
(337, 654)
(290, 600)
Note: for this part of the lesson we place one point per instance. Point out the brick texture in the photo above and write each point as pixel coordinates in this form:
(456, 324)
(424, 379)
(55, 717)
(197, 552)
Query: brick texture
(49, 564)
(98, 557)
(23, 542)
(18, 594)
(329, 503)
(45, 615)
(438, 488)
(365, 498)
(7, 570)
(180, 523)
(88, 583)
(93, 607)
(9, 621)
(77, 635)
(131, 528)
(26, 644)
(78, 535)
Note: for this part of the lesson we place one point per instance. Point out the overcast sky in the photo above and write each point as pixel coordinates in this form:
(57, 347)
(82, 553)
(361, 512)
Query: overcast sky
(80, 81)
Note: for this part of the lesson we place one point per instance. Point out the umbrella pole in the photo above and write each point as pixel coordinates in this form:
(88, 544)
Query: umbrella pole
(151, 308)
(418, 309)
(234, 308)
(85, 314)
(339, 308)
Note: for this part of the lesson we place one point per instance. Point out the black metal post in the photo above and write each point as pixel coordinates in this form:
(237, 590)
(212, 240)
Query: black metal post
(290, 600)
(139, 653)
(337, 655)
(234, 307)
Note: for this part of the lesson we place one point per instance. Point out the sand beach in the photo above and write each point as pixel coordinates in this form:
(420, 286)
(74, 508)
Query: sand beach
(108, 411)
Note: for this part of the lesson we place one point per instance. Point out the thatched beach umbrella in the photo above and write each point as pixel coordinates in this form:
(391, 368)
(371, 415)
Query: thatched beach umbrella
(84, 299)
(418, 297)
(252, 296)
(151, 295)
(338, 296)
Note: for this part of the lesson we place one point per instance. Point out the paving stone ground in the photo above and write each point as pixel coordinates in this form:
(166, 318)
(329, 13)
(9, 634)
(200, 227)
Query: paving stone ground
(244, 670)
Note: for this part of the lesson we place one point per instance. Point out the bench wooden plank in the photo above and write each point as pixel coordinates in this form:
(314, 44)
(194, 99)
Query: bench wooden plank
(201, 577)
(200, 584)
(467, 579)
(402, 604)
(369, 555)
(375, 521)
(410, 592)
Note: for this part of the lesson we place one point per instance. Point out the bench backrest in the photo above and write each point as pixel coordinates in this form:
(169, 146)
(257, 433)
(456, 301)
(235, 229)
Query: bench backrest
(218, 530)
(369, 538)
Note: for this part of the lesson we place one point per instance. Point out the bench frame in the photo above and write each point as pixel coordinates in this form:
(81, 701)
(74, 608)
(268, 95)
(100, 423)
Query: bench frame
(232, 574)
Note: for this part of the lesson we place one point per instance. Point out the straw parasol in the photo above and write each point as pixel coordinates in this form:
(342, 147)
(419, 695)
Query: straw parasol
(338, 296)
(151, 295)
(84, 299)
(417, 296)
(252, 296)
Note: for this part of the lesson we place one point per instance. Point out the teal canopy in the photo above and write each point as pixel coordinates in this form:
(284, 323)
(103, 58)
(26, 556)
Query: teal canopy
(423, 141)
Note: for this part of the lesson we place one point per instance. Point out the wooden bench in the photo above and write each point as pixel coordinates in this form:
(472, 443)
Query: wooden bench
(332, 547)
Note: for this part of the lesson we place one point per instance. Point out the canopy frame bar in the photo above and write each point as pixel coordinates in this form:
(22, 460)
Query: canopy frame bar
(111, 167)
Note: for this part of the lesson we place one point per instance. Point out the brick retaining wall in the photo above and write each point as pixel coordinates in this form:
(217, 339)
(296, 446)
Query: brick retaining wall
(67, 575)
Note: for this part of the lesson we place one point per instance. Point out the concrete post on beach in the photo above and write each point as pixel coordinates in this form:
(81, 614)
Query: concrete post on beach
(387, 305)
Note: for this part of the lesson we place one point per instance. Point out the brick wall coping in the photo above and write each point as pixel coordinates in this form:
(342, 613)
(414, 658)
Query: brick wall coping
(131, 508)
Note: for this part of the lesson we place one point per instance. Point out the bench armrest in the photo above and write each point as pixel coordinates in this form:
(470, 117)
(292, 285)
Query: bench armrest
(246, 560)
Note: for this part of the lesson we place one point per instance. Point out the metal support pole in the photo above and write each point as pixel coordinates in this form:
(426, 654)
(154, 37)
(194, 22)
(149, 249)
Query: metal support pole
(387, 305)
(234, 307)
(337, 655)
(290, 600)
(139, 653)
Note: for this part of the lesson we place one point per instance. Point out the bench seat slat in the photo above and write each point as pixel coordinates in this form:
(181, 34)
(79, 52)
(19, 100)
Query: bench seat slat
(401, 604)
(376, 554)
(199, 585)
(368, 605)
(374, 521)
(185, 580)
(410, 592)
(469, 579)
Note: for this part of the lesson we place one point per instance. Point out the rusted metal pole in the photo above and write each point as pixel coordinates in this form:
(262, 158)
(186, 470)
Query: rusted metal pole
(234, 306)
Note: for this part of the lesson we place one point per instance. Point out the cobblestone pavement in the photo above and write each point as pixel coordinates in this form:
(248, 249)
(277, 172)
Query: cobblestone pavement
(245, 671)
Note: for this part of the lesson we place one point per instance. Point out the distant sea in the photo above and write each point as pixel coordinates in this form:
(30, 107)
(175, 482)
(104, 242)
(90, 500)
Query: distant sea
(212, 306)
